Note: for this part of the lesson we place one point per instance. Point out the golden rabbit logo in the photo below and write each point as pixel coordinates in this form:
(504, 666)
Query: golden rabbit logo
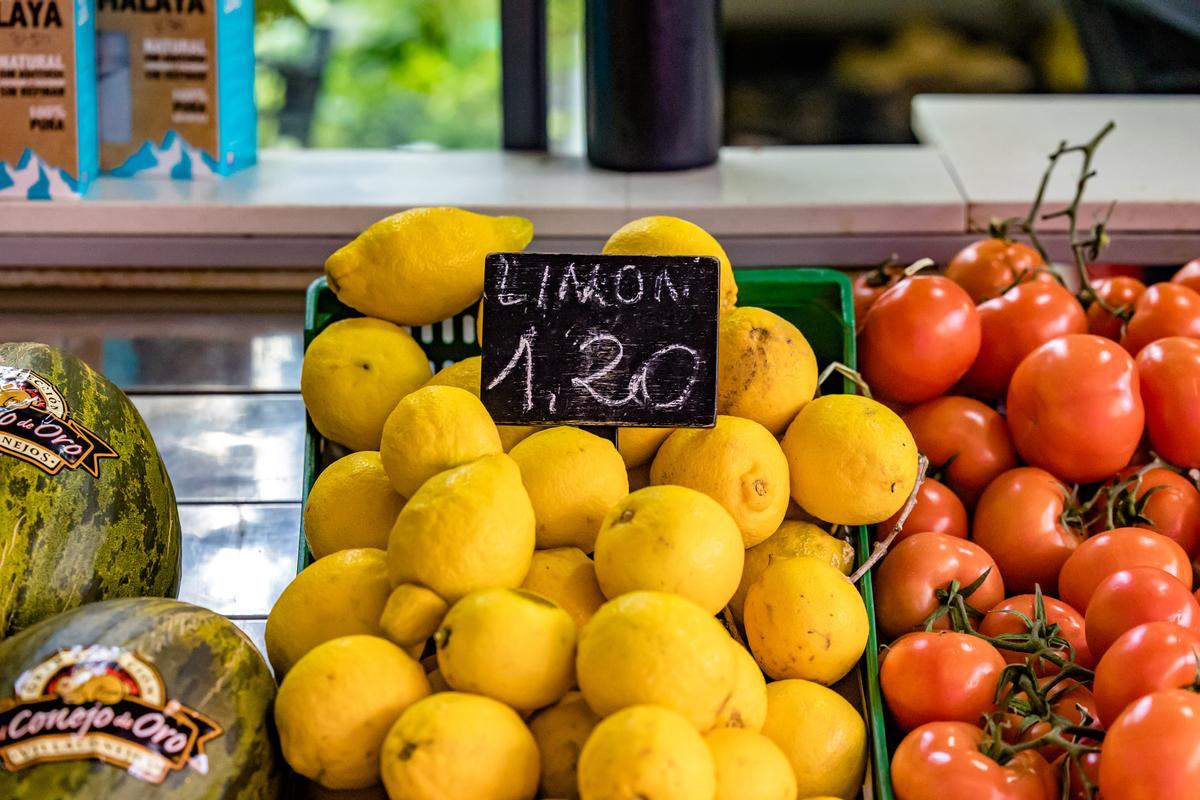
(36, 426)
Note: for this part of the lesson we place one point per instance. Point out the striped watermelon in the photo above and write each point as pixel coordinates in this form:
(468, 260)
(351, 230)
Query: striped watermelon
(87, 511)
(196, 691)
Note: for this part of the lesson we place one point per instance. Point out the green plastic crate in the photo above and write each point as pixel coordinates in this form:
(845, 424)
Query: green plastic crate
(817, 301)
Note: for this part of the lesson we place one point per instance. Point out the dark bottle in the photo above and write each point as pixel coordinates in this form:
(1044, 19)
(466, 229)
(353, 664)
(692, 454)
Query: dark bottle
(653, 83)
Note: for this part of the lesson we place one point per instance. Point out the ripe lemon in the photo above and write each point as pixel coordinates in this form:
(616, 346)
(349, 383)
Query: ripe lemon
(467, 528)
(804, 619)
(657, 648)
(455, 746)
(568, 577)
(335, 706)
(672, 236)
(573, 477)
(738, 463)
(353, 375)
(749, 766)
(766, 369)
(646, 751)
(421, 265)
(637, 446)
(412, 614)
(352, 504)
(465, 375)
(793, 539)
(432, 430)
(339, 595)
(514, 646)
(561, 731)
(822, 736)
(852, 460)
(747, 706)
(670, 539)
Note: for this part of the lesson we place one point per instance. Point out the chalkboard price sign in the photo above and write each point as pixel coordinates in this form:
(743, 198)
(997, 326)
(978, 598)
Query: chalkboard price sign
(600, 340)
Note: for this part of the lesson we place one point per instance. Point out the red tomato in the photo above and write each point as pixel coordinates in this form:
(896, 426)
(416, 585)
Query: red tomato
(918, 339)
(1164, 502)
(869, 285)
(1144, 660)
(943, 761)
(1189, 275)
(1170, 374)
(937, 509)
(1001, 620)
(1075, 408)
(1135, 596)
(1070, 700)
(1120, 293)
(1150, 751)
(965, 440)
(1091, 768)
(988, 267)
(1113, 551)
(1020, 522)
(1015, 325)
(938, 677)
(907, 581)
(1165, 309)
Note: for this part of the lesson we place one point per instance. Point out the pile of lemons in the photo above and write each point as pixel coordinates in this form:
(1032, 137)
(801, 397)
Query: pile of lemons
(500, 613)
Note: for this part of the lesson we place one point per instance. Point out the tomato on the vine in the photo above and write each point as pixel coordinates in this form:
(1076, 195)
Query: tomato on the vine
(989, 266)
(1009, 616)
(1112, 551)
(1070, 700)
(1134, 597)
(937, 509)
(1120, 294)
(938, 677)
(1090, 763)
(869, 285)
(944, 761)
(1075, 408)
(1163, 501)
(1188, 275)
(1150, 750)
(1144, 660)
(966, 441)
(1169, 370)
(1164, 309)
(1013, 326)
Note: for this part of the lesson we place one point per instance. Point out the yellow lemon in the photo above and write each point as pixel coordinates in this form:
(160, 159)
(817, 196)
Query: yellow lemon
(335, 706)
(353, 375)
(421, 265)
(573, 477)
(455, 746)
(339, 595)
(509, 644)
(412, 614)
(657, 648)
(738, 463)
(568, 577)
(637, 446)
(747, 706)
(822, 736)
(352, 504)
(670, 539)
(749, 766)
(432, 430)
(646, 751)
(672, 236)
(804, 619)
(467, 528)
(561, 731)
(465, 375)
(793, 539)
(852, 460)
(766, 369)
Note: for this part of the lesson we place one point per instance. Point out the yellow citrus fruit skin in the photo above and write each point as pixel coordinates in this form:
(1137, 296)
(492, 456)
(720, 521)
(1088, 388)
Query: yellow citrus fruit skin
(656, 648)
(637, 446)
(339, 595)
(794, 538)
(670, 539)
(747, 706)
(561, 731)
(434, 429)
(672, 236)
(822, 736)
(353, 375)
(456, 746)
(852, 460)
(573, 477)
(335, 706)
(749, 766)
(767, 371)
(421, 265)
(738, 463)
(412, 614)
(508, 644)
(804, 619)
(465, 529)
(646, 752)
(352, 504)
(568, 577)
(465, 375)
